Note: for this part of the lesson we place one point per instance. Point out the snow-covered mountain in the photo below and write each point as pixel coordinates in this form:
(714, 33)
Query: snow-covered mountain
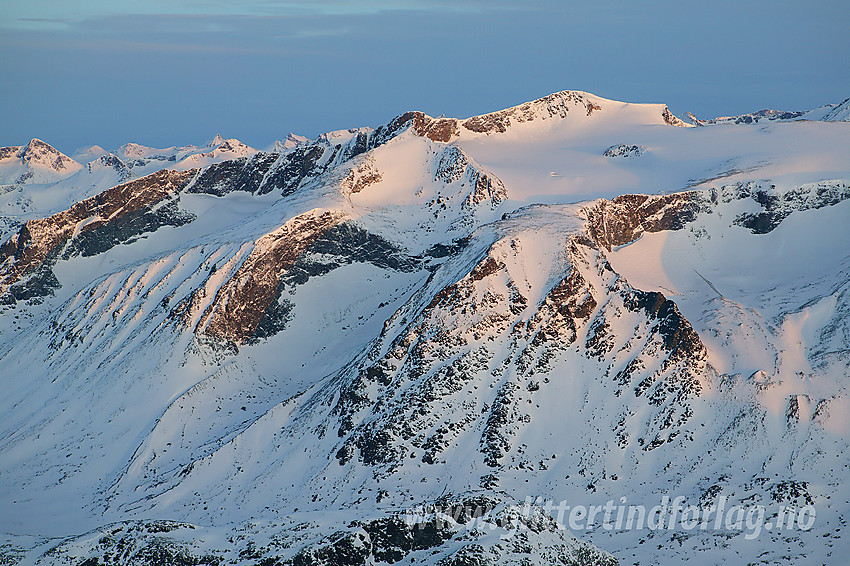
(37, 180)
(88, 153)
(36, 162)
(144, 160)
(282, 146)
(279, 357)
(830, 113)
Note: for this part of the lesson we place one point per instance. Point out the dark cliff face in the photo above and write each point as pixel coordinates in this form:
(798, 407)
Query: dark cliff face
(9, 151)
(624, 151)
(252, 303)
(263, 173)
(244, 300)
(556, 105)
(452, 165)
(361, 176)
(670, 119)
(242, 174)
(776, 208)
(623, 219)
(114, 162)
(114, 216)
(283, 174)
(343, 244)
(436, 129)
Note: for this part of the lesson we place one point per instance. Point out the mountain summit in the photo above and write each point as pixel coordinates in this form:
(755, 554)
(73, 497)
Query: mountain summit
(216, 141)
(36, 162)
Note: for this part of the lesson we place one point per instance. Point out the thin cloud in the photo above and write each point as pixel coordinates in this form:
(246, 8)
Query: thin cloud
(47, 20)
(311, 33)
(142, 46)
(26, 15)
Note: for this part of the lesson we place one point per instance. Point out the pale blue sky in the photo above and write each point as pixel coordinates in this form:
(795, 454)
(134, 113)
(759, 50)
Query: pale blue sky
(174, 72)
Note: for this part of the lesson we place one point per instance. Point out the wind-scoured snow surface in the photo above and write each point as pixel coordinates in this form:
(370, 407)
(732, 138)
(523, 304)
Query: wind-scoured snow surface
(221, 356)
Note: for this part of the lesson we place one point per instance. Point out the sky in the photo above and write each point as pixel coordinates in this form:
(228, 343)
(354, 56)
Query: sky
(161, 73)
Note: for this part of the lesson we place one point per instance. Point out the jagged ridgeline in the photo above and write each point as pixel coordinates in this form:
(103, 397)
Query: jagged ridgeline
(395, 345)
